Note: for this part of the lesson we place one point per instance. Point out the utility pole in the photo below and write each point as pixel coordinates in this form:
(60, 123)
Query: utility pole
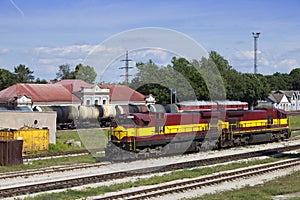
(255, 36)
(126, 60)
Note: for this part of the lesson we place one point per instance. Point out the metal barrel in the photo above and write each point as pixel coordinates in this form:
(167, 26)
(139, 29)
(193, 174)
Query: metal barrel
(157, 108)
(108, 111)
(122, 109)
(142, 108)
(88, 112)
(171, 108)
(65, 114)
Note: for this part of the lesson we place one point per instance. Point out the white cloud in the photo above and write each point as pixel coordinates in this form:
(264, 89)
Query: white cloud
(157, 55)
(244, 55)
(287, 64)
(46, 60)
(4, 50)
(65, 52)
(112, 72)
(267, 62)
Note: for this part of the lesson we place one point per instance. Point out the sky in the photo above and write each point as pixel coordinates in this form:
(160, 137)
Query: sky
(46, 34)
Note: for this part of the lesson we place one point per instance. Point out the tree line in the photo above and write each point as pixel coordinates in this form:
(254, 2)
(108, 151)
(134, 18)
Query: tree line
(211, 78)
(22, 74)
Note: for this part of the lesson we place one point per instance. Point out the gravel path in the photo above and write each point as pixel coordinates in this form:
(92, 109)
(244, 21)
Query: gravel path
(232, 185)
(133, 165)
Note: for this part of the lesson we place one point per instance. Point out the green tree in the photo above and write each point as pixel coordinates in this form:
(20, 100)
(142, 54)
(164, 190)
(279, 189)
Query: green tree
(151, 79)
(23, 74)
(85, 73)
(7, 79)
(295, 77)
(279, 81)
(213, 79)
(256, 88)
(158, 81)
(221, 63)
(41, 81)
(65, 72)
(194, 86)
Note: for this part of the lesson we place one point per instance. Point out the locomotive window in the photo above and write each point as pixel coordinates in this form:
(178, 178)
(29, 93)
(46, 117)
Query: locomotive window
(270, 120)
(145, 123)
(233, 124)
(278, 115)
(126, 122)
(232, 121)
(283, 115)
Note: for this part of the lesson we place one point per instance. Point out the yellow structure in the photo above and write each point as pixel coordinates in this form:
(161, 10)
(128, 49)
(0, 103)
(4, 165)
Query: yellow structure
(33, 139)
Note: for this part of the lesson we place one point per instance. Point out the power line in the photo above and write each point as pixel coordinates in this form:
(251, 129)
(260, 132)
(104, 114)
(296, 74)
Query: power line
(126, 60)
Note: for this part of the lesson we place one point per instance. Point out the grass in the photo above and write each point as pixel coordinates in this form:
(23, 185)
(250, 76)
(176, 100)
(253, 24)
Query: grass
(295, 133)
(295, 121)
(91, 139)
(36, 164)
(176, 175)
(283, 185)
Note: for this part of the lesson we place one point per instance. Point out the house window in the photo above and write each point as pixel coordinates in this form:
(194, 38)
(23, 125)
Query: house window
(104, 102)
(88, 102)
(96, 102)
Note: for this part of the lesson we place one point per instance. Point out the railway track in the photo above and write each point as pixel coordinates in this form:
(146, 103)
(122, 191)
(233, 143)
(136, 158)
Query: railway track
(79, 181)
(28, 158)
(196, 183)
(67, 153)
(85, 151)
(49, 170)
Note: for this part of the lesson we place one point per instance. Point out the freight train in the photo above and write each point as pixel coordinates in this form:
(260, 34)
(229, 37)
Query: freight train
(141, 135)
(70, 117)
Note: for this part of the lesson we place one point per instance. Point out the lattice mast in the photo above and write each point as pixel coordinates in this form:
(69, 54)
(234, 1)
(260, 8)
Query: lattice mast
(126, 75)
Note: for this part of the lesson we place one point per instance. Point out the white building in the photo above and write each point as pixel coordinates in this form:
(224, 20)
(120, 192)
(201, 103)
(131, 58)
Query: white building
(94, 95)
(286, 100)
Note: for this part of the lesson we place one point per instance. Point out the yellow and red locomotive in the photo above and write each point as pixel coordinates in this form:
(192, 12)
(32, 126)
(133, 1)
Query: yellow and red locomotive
(138, 135)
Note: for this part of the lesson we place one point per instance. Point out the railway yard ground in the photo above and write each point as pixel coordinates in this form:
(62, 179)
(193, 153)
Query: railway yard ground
(152, 179)
(279, 184)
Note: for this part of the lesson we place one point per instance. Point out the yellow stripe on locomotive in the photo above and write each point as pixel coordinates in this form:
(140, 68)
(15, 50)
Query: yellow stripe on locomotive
(121, 132)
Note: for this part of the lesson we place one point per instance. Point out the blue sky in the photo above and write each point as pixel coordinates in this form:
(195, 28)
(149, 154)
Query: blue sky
(45, 34)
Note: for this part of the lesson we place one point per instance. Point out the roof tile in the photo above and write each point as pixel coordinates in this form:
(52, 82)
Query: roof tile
(39, 92)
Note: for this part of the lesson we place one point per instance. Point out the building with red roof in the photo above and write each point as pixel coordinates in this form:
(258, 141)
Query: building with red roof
(39, 94)
(70, 92)
(74, 85)
(122, 94)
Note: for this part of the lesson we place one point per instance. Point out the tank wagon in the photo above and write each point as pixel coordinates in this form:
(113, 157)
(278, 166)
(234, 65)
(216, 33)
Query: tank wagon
(140, 135)
(95, 116)
(66, 115)
(70, 117)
